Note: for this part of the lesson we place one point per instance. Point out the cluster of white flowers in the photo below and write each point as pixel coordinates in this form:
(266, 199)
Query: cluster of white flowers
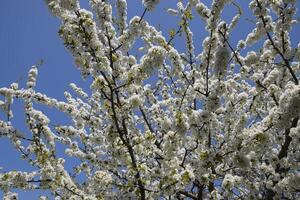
(222, 57)
(216, 9)
(102, 177)
(69, 4)
(172, 11)
(15, 179)
(272, 77)
(134, 30)
(135, 101)
(79, 91)
(150, 4)
(154, 59)
(202, 10)
(218, 122)
(229, 181)
(32, 75)
(289, 104)
(122, 12)
(10, 196)
(103, 12)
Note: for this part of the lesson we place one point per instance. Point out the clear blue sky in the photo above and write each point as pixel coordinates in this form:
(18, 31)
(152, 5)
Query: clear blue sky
(28, 33)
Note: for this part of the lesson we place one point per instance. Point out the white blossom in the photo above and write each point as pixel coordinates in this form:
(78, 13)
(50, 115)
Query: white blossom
(10, 196)
(172, 11)
(222, 57)
(69, 4)
(150, 4)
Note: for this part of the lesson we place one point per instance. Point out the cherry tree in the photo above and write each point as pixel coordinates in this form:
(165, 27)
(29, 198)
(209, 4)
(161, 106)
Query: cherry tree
(217, 121)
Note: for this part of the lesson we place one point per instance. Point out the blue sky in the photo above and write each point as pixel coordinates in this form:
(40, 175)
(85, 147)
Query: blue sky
(28, 33)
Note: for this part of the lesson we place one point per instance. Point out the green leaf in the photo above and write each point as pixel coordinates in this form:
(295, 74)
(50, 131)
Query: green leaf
(172, 32)
(188, 14)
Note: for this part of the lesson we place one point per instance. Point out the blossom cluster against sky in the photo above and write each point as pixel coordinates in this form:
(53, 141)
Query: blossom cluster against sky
(28, 33)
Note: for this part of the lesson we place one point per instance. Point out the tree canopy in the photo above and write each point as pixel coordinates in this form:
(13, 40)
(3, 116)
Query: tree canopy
(217, 121)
